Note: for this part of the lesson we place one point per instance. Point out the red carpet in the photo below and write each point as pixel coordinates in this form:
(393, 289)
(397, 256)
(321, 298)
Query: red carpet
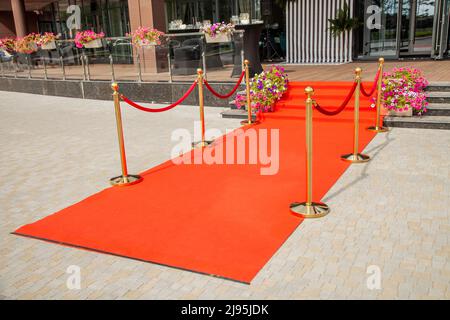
(222, 220)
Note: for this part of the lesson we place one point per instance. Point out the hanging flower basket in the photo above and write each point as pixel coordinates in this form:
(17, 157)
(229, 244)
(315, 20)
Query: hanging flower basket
(47, 41)
(49, 46)
(89, 39)
(141, 43)
(8, 45)
(218, 32)
(146, 37)
(26, 45)
(220, 38)
(94, 44)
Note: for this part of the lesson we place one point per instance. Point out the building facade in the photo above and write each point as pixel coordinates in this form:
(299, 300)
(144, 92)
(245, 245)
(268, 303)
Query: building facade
(389, 28)
(299, 29)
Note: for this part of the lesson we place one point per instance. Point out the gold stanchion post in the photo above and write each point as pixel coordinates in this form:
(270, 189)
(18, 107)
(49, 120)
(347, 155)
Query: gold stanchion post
(125, 179)
(309, 209)
(356, 157)
(249, 100)
(379, 127)
(203, 143)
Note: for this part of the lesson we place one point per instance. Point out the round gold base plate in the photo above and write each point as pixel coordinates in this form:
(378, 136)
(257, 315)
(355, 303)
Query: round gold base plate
(202, 144)
(358, 158)
(312, 210)
(378, 129)
(246, 122)
(120, 181)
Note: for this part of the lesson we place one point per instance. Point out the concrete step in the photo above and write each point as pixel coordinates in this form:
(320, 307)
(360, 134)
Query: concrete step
(438, 109)
(438, 97)
(423, 122)
(232, 105)
(438, 86)
(236, 114)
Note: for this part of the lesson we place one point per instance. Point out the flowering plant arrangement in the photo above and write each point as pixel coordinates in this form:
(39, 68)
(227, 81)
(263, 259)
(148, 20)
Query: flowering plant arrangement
(46, 38)
(33, 37)
(7, 44)
(265, 89)
(144, 36)
(403, 89)
(218, 28)
(27, 44)
(83, 37)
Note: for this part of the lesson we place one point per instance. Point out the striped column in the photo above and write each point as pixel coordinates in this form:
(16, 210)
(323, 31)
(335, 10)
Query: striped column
(309, 40)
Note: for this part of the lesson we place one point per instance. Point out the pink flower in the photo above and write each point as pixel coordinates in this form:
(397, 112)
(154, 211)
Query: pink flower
(146, 36)
(83, 37)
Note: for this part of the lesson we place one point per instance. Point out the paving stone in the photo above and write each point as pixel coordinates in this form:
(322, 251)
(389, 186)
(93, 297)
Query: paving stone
(392, 212)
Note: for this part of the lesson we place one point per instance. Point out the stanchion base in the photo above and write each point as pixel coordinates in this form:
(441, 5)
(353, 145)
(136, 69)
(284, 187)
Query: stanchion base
(378, 129)
(358, 158)
(312, 210)
(120, 181)
(246, 122)
(202, 144)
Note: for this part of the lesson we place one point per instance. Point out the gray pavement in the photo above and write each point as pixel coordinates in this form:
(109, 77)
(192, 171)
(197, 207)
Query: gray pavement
(386, 237)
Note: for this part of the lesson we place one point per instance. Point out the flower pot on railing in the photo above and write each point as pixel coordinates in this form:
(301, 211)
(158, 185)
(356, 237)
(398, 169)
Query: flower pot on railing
(145, 37)
(94, 44)
(218, 38)
(49, 46)
(33, 47)
(28, 48)
(146, 44)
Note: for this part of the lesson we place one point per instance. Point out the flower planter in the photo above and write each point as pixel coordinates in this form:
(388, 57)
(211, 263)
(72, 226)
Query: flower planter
(140, 43)
(219, 38)
(97, 43)
(33, 46)
(49, 46)
(407, 113)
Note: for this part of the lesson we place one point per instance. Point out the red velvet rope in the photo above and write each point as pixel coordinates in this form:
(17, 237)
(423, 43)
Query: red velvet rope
(224, 96)
(374, 86)
(343, 105)
(173, 105)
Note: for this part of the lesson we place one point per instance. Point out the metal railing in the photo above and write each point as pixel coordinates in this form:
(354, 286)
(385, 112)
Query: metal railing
(176, 59)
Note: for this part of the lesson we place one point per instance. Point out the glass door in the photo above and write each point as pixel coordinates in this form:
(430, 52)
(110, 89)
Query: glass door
(381, 28)
(441, 29)
(398, 28)
(417, 18)
(405, 26)
(423, 28)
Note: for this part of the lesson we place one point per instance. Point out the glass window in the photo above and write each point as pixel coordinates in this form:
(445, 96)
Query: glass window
(189, 14)
(380, 27)
(108, 16)
(423, 30)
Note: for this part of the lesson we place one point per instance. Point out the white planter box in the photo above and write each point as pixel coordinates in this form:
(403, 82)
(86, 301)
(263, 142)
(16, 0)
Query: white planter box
(33, 46)
(407, 113)
(97, 43)
(49, 46)
(150, 44)
(223, 37)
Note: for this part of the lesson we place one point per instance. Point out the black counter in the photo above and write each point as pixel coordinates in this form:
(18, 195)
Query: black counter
(252, 33)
